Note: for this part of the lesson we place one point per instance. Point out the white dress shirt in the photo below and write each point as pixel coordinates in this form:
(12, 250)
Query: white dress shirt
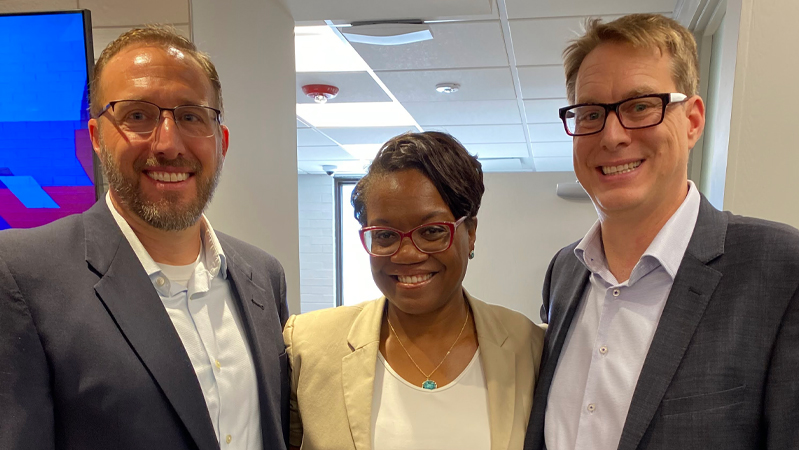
(610, 336)
(200, 303)
(451, 417)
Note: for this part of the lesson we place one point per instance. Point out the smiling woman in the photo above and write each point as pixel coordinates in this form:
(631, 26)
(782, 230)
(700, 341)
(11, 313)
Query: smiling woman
(426, 365)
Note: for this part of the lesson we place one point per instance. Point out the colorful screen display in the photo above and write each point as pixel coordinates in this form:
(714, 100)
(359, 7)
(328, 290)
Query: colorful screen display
(46, 164)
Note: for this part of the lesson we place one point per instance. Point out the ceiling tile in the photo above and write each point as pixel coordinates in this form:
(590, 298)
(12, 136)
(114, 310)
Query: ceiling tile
(326, 153)
(102, 36)
(544, 111)
(504, 165)
(307, 137)
(353, 86)
(542, 81)
(552, 149)
(365, 135)
(121, 13)
(518, 150)
(494, 112)
(523, 9)
(556, 164)
(475, 84)
(548, 132)
(538, 42)
(454, 45)
(484, 134)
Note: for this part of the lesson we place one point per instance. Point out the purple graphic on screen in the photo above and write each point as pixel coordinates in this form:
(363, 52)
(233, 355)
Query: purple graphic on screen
(46, 167)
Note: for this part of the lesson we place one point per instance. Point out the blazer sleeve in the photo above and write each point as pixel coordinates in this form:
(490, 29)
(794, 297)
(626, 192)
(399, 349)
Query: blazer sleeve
(277, 279)
(26, 406)
(295, 421)
(782, 384)
(283, 308)
(545, 289)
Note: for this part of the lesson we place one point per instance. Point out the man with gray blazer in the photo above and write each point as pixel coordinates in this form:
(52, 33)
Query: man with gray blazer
(135, 325)
(672, 325)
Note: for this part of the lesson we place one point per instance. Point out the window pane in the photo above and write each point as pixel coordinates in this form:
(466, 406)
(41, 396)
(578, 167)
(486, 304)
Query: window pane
(356, 275)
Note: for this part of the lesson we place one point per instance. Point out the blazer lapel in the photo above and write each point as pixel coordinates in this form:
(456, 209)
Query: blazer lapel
(258, 320)
(130, 298)
(693, 286)
(358, 372)
(499, 366)
(564, 297)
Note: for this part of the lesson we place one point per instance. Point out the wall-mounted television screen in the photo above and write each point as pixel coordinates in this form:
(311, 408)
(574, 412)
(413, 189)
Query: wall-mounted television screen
(47, 168)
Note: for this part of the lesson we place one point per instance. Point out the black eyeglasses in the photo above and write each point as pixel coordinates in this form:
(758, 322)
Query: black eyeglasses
(643, 111)
(138, 117)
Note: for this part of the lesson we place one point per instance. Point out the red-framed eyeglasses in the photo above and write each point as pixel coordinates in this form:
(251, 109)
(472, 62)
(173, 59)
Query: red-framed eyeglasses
(434, 237)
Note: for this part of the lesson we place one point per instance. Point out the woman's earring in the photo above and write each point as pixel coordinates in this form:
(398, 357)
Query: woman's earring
(471, 254)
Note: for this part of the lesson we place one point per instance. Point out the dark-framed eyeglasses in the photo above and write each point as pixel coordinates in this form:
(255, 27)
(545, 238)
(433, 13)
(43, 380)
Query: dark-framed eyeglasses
(139, 117)
(643, 111)
(434, 237)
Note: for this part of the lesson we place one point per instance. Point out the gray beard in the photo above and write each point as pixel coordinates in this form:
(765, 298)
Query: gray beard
(166, 213)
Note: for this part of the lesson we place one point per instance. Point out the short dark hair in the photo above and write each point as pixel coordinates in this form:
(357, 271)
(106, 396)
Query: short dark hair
(457, 175)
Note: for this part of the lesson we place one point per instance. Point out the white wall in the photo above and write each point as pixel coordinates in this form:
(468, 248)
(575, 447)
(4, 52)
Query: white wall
(521, 225)
(317, 242)
(252, 44)
(763, 164)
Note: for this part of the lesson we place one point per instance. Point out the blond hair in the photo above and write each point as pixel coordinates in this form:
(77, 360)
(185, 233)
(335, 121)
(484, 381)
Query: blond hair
(642, 31)
(159, 36)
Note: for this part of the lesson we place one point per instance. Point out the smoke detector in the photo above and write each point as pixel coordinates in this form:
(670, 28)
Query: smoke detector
(320, 93)
(447, 88)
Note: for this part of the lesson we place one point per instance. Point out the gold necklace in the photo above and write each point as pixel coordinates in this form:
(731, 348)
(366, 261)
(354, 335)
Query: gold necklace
(428, 383)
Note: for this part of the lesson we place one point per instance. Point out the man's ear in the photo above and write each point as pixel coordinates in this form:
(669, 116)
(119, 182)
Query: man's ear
(94, 134)
(225, 140)
(695, 112)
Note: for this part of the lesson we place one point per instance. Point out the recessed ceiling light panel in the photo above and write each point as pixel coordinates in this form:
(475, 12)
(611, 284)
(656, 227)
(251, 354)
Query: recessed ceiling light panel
(368, 114)
(320, 49)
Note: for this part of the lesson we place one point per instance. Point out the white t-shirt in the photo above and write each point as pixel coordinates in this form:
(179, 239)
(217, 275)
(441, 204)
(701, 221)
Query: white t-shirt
(452, 417)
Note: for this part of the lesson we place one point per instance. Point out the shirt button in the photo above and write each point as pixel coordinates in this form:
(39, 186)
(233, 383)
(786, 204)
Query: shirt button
(218, 364)
(616, 292)
(603, 350)
(591, 407)
(160, 281)
(228, 438)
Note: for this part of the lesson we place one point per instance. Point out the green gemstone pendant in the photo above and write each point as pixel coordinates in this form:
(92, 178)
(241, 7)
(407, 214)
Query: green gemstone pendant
(429, 384)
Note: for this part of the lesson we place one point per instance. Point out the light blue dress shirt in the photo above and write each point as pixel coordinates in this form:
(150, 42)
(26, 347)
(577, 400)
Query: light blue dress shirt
(610, 336)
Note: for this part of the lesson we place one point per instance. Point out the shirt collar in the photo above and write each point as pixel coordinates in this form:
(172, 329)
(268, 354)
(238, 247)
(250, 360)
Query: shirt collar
(668, 247)
(214, 256)
(670, 244)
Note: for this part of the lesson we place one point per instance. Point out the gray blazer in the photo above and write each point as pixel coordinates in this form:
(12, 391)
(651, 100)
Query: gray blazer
(90, 358)
(723, 368)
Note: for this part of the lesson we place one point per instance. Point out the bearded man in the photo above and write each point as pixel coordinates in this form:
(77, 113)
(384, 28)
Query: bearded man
(135, 325)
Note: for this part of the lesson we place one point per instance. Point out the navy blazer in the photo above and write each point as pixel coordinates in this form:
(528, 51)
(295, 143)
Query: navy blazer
(90, 358)
(722, 369)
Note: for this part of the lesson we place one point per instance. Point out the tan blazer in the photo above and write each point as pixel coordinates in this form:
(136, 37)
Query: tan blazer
(333, 354)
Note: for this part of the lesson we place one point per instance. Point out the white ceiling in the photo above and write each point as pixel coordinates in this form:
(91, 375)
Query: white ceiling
(505, 54)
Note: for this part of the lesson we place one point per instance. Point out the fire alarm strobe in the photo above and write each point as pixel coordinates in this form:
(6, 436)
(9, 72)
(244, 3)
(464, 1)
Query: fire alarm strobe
(320, 93)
